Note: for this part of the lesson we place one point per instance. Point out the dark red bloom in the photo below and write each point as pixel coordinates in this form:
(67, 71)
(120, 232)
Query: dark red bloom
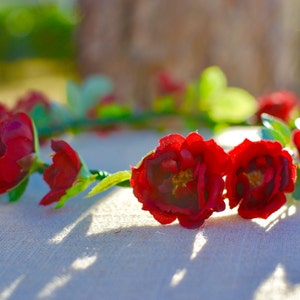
(167, 84)
(62, 174)
(182, 179)
(4, 112)
(279, 104)
(261, 173)
(17, 150)
(296, 140)
(28, 102)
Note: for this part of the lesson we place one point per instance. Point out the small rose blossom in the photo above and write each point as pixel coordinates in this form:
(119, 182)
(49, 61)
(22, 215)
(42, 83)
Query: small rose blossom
(17, 150)
(182, 179)
(296, 140)
(4, 112)
(62, 174)
(29, 101)
(279, 104)
(261, 173)
(167, 84)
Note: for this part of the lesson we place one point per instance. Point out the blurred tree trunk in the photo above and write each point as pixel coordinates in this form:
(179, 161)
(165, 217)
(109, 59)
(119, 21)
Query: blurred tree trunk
(256, 43)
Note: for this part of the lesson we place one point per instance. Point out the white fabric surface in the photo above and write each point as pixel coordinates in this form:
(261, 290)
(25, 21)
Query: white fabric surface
(106, 247)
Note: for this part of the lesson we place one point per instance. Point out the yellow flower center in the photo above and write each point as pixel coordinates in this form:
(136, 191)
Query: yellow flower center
(180, 179)
(256, 178)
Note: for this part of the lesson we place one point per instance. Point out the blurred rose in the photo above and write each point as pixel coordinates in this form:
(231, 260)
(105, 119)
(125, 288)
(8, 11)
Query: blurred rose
(4, 111)
(296, 140)
(278, 104)
(167, 84)
(17, 150)
(28, 102)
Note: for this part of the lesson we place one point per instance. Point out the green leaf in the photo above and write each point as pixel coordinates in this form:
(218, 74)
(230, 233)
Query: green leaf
(190, 99)
(93, 88)
(278, 126)
(164, 104)
(16, 193)
(272, 135)
(233, 105)
(113, 111)
(296, 192)
(36, 141)
(78, 187)
(109, 182)
(40, 116)
(59, 113)
(74, 99)
(212, 81)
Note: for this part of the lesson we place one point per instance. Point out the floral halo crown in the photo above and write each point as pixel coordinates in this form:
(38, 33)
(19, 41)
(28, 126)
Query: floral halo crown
(185, 177)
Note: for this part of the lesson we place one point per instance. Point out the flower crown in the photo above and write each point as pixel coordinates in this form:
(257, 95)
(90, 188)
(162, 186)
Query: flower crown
(187, 177)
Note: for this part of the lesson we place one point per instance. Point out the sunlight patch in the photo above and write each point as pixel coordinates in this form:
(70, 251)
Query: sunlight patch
(56, 283)
(6, 294)
(177, 277)
(83, 262)
(199, 242)
(276, 287)
(274, 218)
(59, 237)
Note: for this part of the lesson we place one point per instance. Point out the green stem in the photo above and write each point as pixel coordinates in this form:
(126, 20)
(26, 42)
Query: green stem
(101, 174)
(139, 119)
(41, 167)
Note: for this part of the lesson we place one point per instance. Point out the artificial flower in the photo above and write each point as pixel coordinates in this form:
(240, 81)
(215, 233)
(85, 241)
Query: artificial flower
(167, 84)
(182, 179)
(261, 173)
(29, 101)
(64, 174)
(17, 150)
(296, 140)
(279, 104)
(4, 111)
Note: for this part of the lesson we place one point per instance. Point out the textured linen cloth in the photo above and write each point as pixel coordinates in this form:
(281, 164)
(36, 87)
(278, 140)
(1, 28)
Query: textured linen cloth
(106, 247)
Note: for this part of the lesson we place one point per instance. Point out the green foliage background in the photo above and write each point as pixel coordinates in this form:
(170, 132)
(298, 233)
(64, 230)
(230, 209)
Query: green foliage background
(40, 30)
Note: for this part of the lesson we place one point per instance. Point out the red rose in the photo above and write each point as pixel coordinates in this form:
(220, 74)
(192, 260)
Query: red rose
(167, 84)
(33, 98)
(62, 174)
(296, 140)
(17, 149)
(182, 178)
(4, 112)
(261, 173)
(279, 104)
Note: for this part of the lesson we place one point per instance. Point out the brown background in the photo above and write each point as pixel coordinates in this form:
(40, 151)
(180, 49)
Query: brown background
(256, 43)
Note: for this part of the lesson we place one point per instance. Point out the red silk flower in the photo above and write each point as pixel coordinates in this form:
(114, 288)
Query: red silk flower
(17, 149)
(28, 102)
(61, 175)
(182, 179)
(4, 112)
(261, 173)
(296, 140)
(278, 104)
(167, 84)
